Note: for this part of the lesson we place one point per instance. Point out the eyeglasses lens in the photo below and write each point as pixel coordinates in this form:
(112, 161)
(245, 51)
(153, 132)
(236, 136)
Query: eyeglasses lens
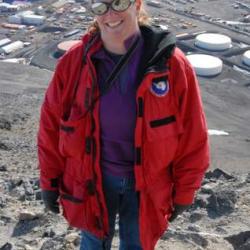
(117, 5)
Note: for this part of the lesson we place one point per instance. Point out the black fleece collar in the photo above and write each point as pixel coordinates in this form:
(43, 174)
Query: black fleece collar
(158, 47)
(158, 44)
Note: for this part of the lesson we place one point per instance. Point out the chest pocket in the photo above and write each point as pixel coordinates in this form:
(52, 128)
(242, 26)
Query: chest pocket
(161, 113)
(168, 127)
(162, 128)
(72, 135)
(72, 138)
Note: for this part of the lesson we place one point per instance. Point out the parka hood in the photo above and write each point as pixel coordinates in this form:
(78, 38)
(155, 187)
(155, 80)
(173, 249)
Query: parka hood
(158, 44)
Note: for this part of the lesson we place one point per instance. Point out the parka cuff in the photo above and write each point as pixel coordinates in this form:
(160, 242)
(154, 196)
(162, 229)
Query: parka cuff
(51, 184)
(184, 197)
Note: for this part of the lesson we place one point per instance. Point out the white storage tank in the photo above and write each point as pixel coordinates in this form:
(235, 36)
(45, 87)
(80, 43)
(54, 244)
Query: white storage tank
(205, 65)
(15, 19)
(26, 12)
(246, 58)
(12, 47)
(4, 7)
(33, 19)
(4, 42)
(213, 41)
(15, 60)
(66, 45)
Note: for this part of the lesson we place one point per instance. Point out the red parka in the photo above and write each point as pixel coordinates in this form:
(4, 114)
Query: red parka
(171, 140)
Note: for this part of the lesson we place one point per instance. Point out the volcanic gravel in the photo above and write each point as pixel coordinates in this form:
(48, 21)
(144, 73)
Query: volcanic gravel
(219, 218)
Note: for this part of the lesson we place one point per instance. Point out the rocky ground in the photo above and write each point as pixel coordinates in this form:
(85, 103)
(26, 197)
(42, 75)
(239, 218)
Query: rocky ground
(219, 219)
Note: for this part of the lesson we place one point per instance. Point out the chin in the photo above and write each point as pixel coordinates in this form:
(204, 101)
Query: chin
(115, 33)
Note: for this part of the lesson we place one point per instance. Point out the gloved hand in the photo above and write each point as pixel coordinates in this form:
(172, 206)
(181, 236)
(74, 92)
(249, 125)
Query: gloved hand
(50, 200)
(178, 209)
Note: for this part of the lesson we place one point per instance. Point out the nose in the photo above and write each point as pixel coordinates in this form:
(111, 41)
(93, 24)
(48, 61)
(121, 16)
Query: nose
(111, 11)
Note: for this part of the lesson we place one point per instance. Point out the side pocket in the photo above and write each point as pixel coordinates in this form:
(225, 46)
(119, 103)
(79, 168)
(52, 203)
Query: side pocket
(73, 200)
(163, 201)
(72, 138)
(74, 213)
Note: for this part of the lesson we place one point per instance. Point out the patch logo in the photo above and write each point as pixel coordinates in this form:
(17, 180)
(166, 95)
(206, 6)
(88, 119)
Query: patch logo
(160, 86)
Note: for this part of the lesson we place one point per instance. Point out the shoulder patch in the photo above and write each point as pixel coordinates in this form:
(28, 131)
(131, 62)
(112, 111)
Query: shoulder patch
(160, 86)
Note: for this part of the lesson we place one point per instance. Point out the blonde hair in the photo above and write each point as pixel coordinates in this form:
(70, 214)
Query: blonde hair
(143, 19)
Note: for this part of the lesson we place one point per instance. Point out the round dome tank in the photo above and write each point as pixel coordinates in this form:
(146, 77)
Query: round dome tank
(65, 46)
(246, 58)
(213, 41)
(205, 65)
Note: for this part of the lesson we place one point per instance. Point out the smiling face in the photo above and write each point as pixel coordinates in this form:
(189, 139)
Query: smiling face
(115, 26)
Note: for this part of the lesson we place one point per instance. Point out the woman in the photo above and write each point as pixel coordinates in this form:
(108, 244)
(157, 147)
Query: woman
(122, 131)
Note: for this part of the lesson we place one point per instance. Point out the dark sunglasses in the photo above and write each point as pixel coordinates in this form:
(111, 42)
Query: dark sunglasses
(100, 8)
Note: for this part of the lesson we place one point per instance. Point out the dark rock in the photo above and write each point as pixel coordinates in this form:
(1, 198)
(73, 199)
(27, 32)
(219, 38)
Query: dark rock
(3, 168)
(187, 237)
(3, 146)
(195, 216)
(5, 124)
(15, 183)
(199, 240)
(3, 201)
(27, 215)
(5, 219)
(220, 230)
(217, 174)
(49, 244)
(248, 178)
(201, 201)
(26, 225)
(36, 183)
(246, 245)
(70, 228)
(205, 181)
(20, 117)
(19, 192)
(208, 188)
(29, 190)
(72, 238)
(6, 246)
(38, 195)
(29, 198)
(77, 241)
(49, 233)
(21, 195)
(240, 241)
(194, 228)
(222, 202)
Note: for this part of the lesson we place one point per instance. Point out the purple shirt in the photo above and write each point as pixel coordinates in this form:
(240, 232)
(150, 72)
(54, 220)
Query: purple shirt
(118, 111)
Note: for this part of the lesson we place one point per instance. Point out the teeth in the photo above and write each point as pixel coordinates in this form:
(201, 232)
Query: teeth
(114, 24)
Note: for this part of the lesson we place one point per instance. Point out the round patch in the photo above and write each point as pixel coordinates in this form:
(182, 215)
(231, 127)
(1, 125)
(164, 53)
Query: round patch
(160, 88)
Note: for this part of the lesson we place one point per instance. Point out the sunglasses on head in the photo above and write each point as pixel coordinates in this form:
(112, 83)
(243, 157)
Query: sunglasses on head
(100, 8)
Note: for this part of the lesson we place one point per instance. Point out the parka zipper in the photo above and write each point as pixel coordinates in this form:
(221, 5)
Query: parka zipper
(94, 85)
(140, 109)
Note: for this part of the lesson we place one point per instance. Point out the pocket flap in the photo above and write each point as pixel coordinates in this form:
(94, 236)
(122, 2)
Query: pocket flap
(72, 138)
(163, 127)
(72, 190)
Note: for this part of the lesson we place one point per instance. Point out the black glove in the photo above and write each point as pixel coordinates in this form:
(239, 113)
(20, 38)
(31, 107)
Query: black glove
(50, 200)
(178, 209)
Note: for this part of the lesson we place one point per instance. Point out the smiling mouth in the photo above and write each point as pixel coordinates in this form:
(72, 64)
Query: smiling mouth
(114, 24)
